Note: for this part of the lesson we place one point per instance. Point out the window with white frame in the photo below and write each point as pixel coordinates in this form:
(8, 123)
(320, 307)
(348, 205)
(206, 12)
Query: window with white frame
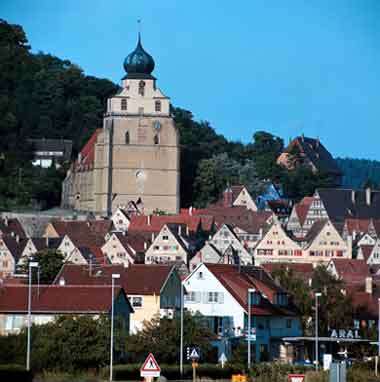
(193, 297)
(136, 301)
(214, 297)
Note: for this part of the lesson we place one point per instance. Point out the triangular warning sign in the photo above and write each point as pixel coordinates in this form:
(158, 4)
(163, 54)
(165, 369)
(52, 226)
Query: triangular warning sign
(194, 353)
(150, 367)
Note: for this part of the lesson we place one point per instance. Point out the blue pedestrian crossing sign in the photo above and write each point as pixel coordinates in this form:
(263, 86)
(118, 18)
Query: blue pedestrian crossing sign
(193, 353)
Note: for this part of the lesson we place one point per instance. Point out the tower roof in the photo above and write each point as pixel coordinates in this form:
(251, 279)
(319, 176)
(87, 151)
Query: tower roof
(139, 63)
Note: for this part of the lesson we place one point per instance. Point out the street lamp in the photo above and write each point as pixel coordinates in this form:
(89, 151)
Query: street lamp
(317, 294)
(250, 290)
(32, 264)
(114, 277)
(181, 334)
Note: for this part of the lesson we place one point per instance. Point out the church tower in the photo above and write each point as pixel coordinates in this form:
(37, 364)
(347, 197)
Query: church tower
(136, 154)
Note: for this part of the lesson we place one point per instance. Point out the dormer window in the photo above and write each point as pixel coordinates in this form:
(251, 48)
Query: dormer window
(123, 104)
(255, 298)
(157, 105)
(142, 88)
(281, 299)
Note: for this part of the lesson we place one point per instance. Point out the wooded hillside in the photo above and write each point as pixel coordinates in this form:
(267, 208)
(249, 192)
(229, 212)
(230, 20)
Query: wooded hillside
(42, 96)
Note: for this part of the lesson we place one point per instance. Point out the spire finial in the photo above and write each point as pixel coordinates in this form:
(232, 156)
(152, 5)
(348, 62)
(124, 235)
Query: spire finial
(139, 29)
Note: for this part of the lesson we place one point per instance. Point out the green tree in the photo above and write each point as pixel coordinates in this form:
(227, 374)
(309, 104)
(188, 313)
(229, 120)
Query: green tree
(161, 337)
(215, 173)
(50, 262)
(335, 308)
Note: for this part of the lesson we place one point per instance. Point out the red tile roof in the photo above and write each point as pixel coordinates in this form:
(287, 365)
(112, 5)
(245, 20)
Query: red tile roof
(352, 271)
(238, 283)
(236, 216)
(366, 250)
(58, 299)
(302, 270)
(139, 279)
(87, 154)
(11, 227)
(154, 223)
(357, 225)
(84, 233)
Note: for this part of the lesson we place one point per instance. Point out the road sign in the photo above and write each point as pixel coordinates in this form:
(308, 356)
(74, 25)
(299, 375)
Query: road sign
(223, 359)
(296, 378)
(150, 367)
(193, 353)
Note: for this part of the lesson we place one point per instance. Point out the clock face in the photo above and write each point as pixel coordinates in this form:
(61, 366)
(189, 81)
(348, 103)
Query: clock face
(157, 125)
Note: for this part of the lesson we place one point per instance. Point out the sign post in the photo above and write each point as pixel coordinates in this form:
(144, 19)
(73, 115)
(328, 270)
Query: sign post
(150, 368)
(193, 354)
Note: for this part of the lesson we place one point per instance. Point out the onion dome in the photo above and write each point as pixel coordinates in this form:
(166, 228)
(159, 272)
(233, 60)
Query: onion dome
(139, 63)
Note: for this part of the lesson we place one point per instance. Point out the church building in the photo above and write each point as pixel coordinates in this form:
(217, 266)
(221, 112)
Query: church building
(134, 158)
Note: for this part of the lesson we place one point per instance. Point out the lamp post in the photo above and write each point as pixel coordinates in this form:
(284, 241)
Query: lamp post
(32, 264)
(250, 290)
(181, 334)
(317, 294)
(114, 277)
(378, 339)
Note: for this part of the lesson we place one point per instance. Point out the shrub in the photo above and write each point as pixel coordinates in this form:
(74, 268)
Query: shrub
(132, 371)
(15, 373)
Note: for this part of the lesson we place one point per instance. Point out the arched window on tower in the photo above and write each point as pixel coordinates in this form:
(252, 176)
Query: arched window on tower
(127, 137)
(123, 104)
(142, 88)
(157, 139)
(157, 105)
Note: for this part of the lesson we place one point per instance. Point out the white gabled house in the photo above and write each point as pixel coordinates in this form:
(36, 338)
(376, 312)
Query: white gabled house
(168, 246)
(121, 220)
(224, 238)
(219, 292)
(370, 253)
(277, 246)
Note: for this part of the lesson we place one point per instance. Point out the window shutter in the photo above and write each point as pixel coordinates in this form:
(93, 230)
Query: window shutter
(198, 297)
(220, 297)
(205, 297)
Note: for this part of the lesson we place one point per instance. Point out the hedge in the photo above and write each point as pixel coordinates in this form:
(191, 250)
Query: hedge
(132, 371)
(15, 373)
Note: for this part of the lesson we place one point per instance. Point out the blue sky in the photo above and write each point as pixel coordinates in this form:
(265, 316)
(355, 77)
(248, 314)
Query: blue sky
(287, 67)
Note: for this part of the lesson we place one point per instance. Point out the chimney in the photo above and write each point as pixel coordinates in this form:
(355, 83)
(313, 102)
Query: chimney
(62, 281)
(302, 138)
(317, 143)
(179, 229)
(152, 237)
(17, 239)
(227, 197)
(187, 230)
(6, 221)
(353, 196)
(148, 222)
(368, 196)
(145, 245)
(47, 241)
(191, 211)
(368, 285)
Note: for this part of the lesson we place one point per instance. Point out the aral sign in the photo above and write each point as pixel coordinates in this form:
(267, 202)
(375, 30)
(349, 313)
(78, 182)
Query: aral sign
(343, 333)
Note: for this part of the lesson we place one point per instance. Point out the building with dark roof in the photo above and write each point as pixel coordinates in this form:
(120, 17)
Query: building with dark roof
(48, 152)
(312, 153)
